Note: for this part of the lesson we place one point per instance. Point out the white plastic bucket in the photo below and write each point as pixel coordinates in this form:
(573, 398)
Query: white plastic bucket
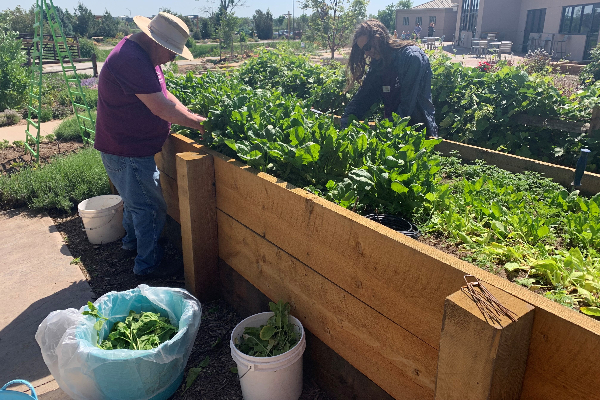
(269, 378)
(102, 218)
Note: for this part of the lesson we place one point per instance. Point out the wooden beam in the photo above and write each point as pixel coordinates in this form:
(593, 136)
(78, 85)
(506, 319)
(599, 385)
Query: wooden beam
(197, 209)
(171, 195)
(397, 361)
(377, 265)
(480, 359)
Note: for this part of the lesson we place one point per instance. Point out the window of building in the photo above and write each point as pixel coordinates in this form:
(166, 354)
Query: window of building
(405, 21)
(468, 19)
(579, 19)
(432, 19)
(419, 21)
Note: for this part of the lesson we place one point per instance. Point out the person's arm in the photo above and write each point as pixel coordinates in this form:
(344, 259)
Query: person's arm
(362, 101)
(172, 110)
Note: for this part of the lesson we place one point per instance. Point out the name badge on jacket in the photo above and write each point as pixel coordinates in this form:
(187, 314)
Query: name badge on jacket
(386, 89)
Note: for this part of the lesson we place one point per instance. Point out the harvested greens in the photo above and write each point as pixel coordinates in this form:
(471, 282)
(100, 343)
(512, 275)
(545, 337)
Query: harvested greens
(272, 339)
(139, 331)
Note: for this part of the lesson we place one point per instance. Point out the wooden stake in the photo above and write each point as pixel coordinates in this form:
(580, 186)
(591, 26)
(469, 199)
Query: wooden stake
(198, 218)
(480, 357)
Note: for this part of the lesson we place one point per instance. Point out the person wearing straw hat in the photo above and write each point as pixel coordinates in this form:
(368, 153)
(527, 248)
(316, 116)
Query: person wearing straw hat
(134, 116)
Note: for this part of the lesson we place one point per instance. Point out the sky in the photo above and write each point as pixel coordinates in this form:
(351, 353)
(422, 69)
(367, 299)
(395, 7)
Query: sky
(186, 7)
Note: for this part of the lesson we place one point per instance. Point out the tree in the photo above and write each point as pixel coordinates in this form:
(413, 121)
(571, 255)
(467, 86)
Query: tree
(84, 21)
(13, 77)
(229, 24)
(387, 16)
(263, 23)
(108, 26)
(332, 22)
(22, 21)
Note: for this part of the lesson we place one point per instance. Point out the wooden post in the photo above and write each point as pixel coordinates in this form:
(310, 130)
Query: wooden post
(479, 359)
(94, 65)
(198, 218)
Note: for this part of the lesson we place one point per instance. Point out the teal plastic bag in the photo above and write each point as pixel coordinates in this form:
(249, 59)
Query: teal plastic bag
(83, 371)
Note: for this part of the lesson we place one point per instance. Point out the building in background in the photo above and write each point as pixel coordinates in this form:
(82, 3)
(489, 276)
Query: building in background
(442, 13)
(560, 27)
(566, 29)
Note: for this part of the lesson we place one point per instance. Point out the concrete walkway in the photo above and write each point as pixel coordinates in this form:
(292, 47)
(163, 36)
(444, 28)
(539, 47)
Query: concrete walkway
(36, 278)
(17, 132)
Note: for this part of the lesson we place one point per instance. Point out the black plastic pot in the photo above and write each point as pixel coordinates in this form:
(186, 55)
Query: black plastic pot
(396, 223)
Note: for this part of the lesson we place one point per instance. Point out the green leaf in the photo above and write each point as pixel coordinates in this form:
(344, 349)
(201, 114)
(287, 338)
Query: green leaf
(398, 187)
(191, 377)
(204, 362)
(543, 231)
(266, 332)
(511, 266)
(593, 311)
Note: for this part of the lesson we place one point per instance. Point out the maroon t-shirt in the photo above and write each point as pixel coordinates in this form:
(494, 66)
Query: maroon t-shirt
(124, 125)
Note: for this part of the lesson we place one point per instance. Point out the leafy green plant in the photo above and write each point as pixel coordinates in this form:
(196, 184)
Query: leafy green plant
(591, 72)
(140, 331)
(13, 77)
(93, 311)
(68, 130)
(272, 339)
(61, 184)
(480, 108)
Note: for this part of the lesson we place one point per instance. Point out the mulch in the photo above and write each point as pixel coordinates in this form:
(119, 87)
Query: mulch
(108, 268)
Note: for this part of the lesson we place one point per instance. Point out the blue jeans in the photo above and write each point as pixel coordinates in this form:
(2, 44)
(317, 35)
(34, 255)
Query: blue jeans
(145, 209)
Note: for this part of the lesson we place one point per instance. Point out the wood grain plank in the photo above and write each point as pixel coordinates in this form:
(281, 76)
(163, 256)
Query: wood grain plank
(479, 358)
(198, 214)
(396, 360)
(408, 297)
(171, 195)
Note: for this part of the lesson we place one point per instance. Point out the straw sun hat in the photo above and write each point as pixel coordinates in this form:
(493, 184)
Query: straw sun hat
(166, 30)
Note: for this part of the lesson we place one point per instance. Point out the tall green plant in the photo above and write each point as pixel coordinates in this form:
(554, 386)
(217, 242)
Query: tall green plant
(13, 77)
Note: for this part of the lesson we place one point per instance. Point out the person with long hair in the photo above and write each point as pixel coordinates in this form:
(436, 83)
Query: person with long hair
(396, 72)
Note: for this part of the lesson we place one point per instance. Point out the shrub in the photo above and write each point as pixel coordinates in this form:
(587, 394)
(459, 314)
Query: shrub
(190, 43)
(68, 130)
(86, 48)
(9, 117)
(59, 185)
(537, 61)
(591, 72)
(13, 77)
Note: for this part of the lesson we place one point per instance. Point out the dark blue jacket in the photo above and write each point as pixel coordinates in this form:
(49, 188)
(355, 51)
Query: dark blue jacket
(404, 87)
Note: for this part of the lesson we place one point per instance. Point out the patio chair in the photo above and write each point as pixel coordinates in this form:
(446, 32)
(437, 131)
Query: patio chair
(505, 48)
(480, 47)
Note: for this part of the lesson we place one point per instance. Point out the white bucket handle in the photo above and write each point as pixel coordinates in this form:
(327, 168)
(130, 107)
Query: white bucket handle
(285, 362)
(114, 213)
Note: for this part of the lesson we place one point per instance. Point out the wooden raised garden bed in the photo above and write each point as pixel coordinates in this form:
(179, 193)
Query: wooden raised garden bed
(389, 305)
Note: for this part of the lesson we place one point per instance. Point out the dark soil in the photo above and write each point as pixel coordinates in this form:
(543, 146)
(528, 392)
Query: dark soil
(14, 158)
(108, 268)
